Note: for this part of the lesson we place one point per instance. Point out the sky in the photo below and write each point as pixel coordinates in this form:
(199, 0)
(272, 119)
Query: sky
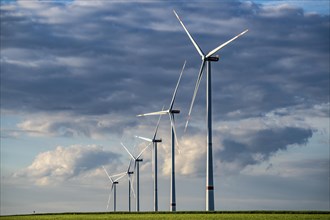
(74, 75)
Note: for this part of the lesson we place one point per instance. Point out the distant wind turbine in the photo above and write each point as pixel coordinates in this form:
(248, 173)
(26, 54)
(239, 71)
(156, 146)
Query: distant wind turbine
(154, 140)
(114, 183)
(137, 160)
(208, 58)
(170, 111)
(130, 187)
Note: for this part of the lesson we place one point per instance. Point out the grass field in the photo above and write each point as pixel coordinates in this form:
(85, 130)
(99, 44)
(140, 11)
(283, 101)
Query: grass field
(255, 215)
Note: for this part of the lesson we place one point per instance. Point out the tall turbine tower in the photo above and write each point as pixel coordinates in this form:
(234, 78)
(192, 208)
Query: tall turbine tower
(171, 113)
(114, 183)
(208, 58)
(154, 140)
(137, 160)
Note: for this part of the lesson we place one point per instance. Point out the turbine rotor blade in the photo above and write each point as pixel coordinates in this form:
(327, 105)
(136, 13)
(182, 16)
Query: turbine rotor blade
(135, 165)
(143, 138)
(152, 163)
(128, 151)
(173, 126)
(155, 134)
(154, 113)
(129, 166)
(121, 175)
(199, 50)
(176, 88)
(133, 179)
(132, 183)
(224, 44)
(134, 170)
(118, 174)
(132, 188)
(107, 174)
(198, 81)
(109, 197)
(143, 151)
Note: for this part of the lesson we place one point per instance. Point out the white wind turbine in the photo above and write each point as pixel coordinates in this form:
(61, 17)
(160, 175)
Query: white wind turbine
(130, 187)
(170, 111)
(154, 140)
(114, 183)
(137, 160)
(208, 58)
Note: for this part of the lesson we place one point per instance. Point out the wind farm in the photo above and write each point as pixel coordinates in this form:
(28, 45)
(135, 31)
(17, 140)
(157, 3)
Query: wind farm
(206, 60)
(170, 111)
(86, 87)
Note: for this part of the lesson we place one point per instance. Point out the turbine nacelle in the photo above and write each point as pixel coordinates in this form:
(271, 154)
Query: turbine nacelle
(174, 111)
(157, 140)
(212, 59)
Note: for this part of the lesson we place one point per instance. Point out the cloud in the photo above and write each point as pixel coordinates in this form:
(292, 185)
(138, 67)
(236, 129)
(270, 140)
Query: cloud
(252, 141)
(65, 125)
(242, 143)
(300, 169)
(233, 152)
(72, 57)
(86, 68)
(65, 163)
(260, 146)
(66, 70)
(190, 156)
(235, 146)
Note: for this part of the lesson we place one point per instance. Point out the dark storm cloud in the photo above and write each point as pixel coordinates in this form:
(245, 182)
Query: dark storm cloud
(261, 145)
(107, 57)
(73, 67)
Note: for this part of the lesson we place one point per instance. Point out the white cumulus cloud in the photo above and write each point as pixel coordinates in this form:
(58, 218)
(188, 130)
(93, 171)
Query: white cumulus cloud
(63, 163)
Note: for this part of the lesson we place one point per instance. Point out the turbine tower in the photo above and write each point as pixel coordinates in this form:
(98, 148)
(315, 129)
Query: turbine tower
(154, 140)
(114, 183)
(137, 160)
(174, 139)
(208, 58)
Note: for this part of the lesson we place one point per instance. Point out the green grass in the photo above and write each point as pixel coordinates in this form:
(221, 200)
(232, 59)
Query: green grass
(255, 215)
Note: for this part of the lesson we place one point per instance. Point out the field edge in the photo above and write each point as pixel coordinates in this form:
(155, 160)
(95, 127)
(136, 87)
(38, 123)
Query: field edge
(179, 212)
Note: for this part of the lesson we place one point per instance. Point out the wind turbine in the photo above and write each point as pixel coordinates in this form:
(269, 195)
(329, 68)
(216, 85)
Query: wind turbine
(114, 183)
(137, 160)
(130, 187)
(154, 140)
(170, 111)
(208, 58)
